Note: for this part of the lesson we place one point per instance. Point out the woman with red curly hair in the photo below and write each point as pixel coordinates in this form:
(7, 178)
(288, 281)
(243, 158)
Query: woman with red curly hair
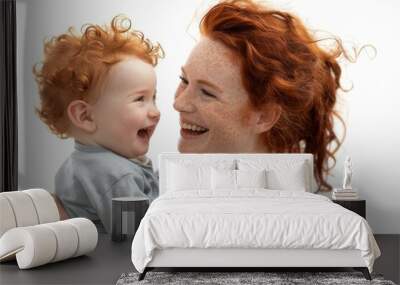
(258, 82)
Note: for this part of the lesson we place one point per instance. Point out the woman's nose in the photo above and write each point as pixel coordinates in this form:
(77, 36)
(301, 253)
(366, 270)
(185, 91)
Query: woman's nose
(183, 102)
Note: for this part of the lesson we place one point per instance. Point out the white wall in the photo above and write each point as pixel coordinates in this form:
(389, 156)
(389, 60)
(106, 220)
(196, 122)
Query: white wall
(370, 108)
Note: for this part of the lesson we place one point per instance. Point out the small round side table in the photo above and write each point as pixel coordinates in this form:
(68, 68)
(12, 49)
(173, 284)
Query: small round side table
(127, 212)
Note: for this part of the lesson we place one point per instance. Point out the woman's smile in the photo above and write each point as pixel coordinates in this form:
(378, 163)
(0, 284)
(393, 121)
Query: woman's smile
(191, 130)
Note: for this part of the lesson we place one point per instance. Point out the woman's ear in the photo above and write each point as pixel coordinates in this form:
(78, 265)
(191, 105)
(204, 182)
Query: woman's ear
(267, 117)
(80, 114)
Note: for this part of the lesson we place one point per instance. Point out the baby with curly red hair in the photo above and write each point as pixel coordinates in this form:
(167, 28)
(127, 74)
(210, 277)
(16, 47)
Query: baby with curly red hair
(99, 88)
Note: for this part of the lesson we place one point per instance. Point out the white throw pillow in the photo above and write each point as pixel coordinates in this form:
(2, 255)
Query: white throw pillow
(183, 174)
(187, 177)
(227, 179)
(282, 174)
(293, 178)
(223, 179)
(251, 178)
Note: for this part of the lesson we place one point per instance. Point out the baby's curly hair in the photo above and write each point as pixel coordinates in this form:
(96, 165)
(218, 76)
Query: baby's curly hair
(74, 64)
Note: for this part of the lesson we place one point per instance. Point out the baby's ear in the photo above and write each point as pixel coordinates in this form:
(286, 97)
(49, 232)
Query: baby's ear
(267, 117)
(80, 114)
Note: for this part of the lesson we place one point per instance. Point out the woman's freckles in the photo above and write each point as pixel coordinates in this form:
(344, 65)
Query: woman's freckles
(213, 96)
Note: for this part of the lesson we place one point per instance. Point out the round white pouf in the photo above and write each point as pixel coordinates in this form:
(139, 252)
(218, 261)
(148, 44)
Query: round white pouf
(7, 218)
(87, 233)
(23, 208)
(45, 205)
(67, 240)
(33, 246)
(40, 244)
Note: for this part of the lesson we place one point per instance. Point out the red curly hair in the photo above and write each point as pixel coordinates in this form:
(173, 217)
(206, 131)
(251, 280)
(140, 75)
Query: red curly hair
(74, 64)
(281, 63)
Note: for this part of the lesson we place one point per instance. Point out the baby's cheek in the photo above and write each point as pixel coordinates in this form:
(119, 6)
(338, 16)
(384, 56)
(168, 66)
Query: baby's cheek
(131, 119)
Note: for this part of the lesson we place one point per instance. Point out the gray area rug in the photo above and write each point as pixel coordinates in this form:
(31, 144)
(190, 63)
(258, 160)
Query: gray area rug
(273, 278)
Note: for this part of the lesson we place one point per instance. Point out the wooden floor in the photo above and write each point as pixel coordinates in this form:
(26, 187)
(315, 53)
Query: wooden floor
(389, 262)
(110, 260)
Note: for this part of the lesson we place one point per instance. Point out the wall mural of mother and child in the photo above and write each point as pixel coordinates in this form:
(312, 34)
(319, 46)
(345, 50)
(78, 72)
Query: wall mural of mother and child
(256, 82)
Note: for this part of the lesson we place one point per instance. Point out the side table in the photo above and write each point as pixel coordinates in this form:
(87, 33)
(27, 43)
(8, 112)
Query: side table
(127, 212)
(357, 206)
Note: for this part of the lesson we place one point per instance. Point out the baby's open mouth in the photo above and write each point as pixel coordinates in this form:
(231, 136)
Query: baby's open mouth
(146, 133)
(192, 129)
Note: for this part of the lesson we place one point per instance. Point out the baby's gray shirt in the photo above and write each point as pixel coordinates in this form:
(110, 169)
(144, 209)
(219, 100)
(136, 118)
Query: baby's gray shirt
(92, 175)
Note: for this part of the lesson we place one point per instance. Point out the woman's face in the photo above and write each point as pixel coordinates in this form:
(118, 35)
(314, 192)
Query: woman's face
(213, 105)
